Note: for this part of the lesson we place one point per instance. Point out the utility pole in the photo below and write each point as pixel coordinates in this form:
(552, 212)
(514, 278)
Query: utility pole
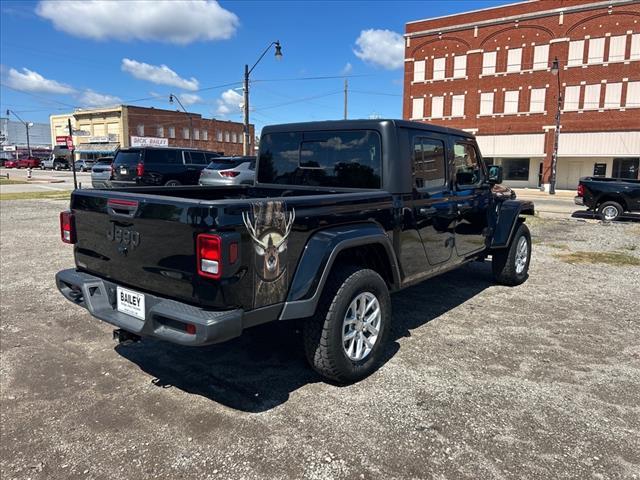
(71, 155)
(555, 69)
(173, 97)
(346, 96)
(26, 124)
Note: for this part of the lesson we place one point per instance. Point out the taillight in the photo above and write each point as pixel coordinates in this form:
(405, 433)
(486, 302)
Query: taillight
(140, 169)
(67, 227)
(229, 173)
(581, 190)
(209, 255)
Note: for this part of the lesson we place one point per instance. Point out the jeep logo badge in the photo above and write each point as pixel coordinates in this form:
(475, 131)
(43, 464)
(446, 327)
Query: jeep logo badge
(126, 237)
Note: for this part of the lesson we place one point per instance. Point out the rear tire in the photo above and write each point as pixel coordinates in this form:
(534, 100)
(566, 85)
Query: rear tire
(172, 183)
(345, 339)
(610, 211)
(511, 265)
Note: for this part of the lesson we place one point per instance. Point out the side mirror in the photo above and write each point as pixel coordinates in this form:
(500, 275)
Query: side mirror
(495, 174)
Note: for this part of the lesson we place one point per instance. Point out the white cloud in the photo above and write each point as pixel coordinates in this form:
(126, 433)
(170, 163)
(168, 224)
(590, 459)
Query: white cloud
(190, 98)
(382, 48)
(159, 74)
(89, 98)
(229, 102)
(347, 69)
(167, 21)
(30, 81)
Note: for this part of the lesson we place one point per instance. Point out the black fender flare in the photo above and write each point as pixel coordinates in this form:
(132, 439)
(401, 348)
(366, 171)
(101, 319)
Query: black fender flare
(318, 257)
(507, 219)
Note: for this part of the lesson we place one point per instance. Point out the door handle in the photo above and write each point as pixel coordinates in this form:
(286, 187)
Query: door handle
(427, 211)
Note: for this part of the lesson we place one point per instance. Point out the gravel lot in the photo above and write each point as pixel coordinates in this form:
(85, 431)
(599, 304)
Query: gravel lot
(482, 381)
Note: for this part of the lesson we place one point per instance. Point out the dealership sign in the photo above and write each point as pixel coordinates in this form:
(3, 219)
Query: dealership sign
(62, 139)
(149, 142)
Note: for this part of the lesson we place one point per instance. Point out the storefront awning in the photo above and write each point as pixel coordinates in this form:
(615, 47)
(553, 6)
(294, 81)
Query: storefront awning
(97, 147)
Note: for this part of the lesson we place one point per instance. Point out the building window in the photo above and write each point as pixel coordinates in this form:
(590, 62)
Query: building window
(234, 137)
(172, 132)
(514, 60)
(596, 50)
(486, 103)
(516, 169)
(617, 48)
(205, 135)
(536, 103)
(439, 68)
(418, 70)
(459, 66)
(576, 52)
(633, 94)
(489, 63)
(626, 167)
(635, 47)
(457, 106)
(196, 134)
(417, 110)
(540, 57)
(511, 98)
(591, 97)
(227, 136)
(428, 163)
(437, 107)
(571, 97)
(219, 135)
(160, 132)
(140, 130)
(240, 135)
(613, 95)
(185, 133)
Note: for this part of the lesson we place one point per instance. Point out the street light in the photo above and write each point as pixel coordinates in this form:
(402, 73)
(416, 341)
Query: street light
(173, 97)
(26, 124)
(245, 90)
(555, 69)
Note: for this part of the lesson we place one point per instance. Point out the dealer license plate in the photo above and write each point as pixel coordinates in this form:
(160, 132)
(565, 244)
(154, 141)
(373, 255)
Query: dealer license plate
(123, 171)
(130, 302)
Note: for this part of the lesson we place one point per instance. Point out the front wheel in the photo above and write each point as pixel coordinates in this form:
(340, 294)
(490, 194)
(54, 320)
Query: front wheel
(345, 340)
(511, 265)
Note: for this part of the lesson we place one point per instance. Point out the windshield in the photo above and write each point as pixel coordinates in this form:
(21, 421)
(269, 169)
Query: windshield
(224, 164)
(127, 157)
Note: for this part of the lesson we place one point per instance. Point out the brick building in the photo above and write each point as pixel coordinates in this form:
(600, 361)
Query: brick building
(489, 72)
(102, 131)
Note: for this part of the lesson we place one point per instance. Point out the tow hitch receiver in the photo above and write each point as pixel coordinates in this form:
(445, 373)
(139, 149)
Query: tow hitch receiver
(124, 337)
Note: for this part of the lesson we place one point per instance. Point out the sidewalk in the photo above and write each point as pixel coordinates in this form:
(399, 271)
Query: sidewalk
(536, 193)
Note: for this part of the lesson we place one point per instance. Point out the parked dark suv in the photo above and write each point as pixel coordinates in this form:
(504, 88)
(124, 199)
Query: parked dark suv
(159, 166)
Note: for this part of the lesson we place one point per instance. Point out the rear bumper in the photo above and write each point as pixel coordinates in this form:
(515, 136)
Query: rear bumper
(164, 319)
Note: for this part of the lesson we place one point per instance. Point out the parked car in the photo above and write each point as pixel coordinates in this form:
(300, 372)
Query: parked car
(229, 171)
(341, 214)
(159, 166)
(101, 173)
(10, 164)
(28, 162)
(84, 165)
(55, 163)
(610, 197)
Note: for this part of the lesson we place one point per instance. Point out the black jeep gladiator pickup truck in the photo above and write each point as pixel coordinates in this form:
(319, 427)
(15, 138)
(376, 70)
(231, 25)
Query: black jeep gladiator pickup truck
(610, 197)
(341, 214)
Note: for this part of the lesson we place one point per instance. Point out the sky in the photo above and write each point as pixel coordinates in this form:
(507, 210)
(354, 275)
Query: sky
(56, 56)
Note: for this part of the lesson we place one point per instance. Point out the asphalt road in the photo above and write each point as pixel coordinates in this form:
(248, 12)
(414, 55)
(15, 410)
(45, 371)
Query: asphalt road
(43, 180)
(481, 381)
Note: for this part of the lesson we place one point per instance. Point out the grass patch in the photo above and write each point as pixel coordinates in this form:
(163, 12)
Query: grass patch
(8, 181)
(617, 259)
(49, 195)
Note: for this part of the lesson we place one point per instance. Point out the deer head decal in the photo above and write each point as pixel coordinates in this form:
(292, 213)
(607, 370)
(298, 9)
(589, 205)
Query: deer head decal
(269, 226)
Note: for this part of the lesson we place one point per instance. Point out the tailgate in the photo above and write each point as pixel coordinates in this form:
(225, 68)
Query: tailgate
(146, 242)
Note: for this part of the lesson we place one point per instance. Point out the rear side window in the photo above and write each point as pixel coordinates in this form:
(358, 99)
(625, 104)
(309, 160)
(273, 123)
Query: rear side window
(196, 158)
(124, 157)
(344, 159)
(153, 155)
(429, 166)
(467, 165)
(211, 157)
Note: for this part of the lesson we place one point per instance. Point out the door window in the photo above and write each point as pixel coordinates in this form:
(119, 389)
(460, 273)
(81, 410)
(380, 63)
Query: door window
(429, 166)
(153, 155)
(467, 166)
(197, 158)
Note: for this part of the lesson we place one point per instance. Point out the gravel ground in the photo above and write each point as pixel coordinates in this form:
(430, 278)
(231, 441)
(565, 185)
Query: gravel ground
(481, 381)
